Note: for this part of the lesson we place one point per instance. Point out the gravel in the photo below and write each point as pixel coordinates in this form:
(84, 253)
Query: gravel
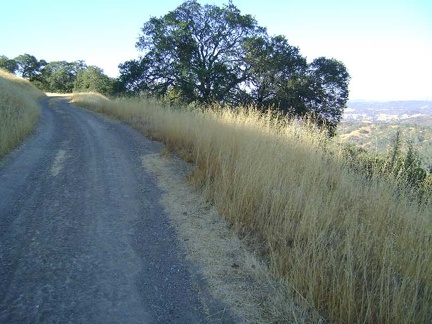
(83, 237)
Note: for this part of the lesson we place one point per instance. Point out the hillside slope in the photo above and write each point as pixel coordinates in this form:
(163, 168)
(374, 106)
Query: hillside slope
(373, 126)
(19, 110)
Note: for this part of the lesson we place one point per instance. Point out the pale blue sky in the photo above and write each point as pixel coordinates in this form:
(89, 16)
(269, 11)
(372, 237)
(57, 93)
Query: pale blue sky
(385, 44)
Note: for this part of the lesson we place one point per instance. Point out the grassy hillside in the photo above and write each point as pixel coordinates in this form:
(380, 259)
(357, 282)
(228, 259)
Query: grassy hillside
(379, 137)
(356, 249)
(19, 110)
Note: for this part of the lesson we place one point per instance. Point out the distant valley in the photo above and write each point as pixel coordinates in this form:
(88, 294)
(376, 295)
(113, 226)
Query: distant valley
(393, 111)
(373, 125)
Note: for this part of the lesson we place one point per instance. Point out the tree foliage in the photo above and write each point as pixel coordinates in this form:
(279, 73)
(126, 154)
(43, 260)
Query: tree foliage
(194, 53)
(275, 71)
(60, 76)
(215, 54)
(92, 78)
(29, 67)
(132, 77)
(328, 88)
(9, 65)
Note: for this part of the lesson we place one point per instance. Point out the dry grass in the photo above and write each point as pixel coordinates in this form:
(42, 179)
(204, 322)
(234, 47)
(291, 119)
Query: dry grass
(233, 273)
(358, 250)
(19, 110)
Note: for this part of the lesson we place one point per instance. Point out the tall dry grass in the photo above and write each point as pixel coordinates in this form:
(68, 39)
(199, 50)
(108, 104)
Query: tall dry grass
(19, 110)
(358, 250)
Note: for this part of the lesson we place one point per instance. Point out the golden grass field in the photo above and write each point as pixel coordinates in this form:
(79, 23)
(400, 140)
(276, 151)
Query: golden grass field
(19, 110)
(357, 250)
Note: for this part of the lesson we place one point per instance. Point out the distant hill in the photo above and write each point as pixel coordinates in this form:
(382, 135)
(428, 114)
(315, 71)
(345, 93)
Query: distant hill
(391, 111)
(373, 125)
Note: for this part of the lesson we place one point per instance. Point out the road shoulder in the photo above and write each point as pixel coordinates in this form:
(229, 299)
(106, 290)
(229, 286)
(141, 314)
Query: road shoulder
(233, 273)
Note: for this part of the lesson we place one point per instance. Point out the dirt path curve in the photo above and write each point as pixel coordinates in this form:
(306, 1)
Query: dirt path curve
(83, 238)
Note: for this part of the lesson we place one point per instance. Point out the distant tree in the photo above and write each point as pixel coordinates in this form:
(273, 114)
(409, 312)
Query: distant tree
(7, 64)
(60, 76)
(92, 78)
(194, 51)
(29, 67)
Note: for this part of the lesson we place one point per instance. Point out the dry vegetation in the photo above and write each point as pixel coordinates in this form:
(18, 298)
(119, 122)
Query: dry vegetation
(358, 250)
(19, 110)
(379, 137)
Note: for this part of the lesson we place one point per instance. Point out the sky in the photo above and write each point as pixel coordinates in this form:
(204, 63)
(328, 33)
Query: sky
(386, 45)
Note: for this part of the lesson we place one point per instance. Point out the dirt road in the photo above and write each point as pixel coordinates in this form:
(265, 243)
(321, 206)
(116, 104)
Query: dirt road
(83, 238)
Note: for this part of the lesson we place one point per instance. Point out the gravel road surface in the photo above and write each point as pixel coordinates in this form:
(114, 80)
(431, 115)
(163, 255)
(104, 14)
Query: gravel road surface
(83, 237)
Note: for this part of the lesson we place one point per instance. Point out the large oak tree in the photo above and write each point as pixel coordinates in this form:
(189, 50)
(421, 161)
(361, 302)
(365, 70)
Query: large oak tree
(208, 54)
(195, 53)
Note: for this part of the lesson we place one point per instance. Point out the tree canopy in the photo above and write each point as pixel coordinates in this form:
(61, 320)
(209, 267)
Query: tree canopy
(275, 67)
(92, 78)
(193, 53)
(29, 67)
(206, 53)
(61, 76)
(9, 65)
